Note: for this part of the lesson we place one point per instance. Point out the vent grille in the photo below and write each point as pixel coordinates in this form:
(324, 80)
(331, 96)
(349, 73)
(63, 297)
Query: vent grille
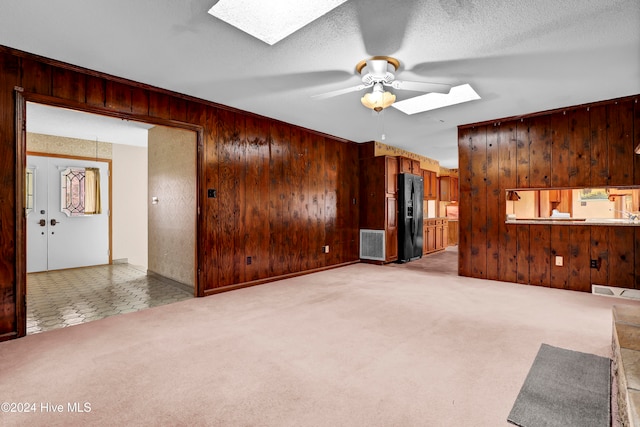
(615, 292)
(372, 245)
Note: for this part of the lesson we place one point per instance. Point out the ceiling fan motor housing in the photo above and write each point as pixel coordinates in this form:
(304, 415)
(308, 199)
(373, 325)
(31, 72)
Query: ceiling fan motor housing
(378, 69)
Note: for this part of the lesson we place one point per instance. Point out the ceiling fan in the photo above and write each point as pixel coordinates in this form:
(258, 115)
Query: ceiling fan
(379, 71)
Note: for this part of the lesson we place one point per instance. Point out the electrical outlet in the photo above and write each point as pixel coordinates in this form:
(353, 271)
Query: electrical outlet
(594, 263)
(212, 193)
(325, 249)
(559, 261)
(248, 260)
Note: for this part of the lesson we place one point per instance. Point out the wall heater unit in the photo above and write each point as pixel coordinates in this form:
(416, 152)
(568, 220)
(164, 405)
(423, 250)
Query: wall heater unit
(372, 244)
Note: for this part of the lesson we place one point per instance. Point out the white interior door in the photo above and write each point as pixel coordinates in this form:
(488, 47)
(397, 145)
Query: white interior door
(58, 240)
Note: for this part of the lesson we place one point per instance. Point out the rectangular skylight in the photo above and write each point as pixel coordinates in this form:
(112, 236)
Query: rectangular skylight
(271, 21)
(432, 101)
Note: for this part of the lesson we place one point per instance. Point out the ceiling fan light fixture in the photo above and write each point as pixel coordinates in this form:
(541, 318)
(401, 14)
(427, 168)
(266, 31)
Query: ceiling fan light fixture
(378, 99)
(432, 101)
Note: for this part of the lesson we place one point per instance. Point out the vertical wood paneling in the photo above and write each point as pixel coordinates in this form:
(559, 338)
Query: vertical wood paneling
(276, 200)
(464, 210)
(68, 84)
(331, 200)
(560, 247)
(316, 200)
(36, 77)
(522, 153)
(178, 109)
(523, 251)
(95, 91)
(118, 97)
(580, 248)
(272, 181)
(540, 151)
(256, 234)
(140, 102)
(296, 202)
(210, 232)
(304, 215)
(600, 251)
(238, 194)
(493, 213)
(352, 175)
(620, 142)
(9, 78)
(540, 255)
(579, 148)
(621, 254)
(159, 105)
(479, 203)
(560, 149)
(507, 179)
(228, 204)
(599, 146)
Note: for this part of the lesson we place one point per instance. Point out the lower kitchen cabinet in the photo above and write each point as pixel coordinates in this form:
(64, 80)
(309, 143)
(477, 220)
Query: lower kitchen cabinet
(435, 235)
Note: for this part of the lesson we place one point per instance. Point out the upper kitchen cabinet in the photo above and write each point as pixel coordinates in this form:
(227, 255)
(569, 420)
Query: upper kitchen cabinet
(430, 185)
(411, 166)
(448, 188)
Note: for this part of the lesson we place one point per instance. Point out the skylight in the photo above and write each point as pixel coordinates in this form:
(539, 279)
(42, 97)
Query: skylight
(271, 21)
(432, 101)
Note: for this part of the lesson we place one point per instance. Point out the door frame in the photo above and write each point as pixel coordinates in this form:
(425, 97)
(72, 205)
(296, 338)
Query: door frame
(109, 195)
(21, 99)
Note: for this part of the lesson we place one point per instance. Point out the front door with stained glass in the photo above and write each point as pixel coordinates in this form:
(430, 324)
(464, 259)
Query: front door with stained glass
(68, 225)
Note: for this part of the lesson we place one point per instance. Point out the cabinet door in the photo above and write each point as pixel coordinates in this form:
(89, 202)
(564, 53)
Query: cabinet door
(425, 239)
(406, 165)
(445, 236)
(445, 195)
(453, 189)
(426, 181)
(392, 229)
(434, 186)
(431, 238)
(439, 235)
(391, 174)
(415, 167)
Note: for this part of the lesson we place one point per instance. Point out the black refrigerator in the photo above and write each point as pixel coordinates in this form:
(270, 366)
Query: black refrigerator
(410, 199)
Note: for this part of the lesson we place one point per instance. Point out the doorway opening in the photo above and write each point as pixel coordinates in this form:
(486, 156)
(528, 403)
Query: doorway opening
(121, 242)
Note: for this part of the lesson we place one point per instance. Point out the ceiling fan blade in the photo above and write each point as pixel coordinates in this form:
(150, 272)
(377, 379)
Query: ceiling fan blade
(340, 92)
(421, 86)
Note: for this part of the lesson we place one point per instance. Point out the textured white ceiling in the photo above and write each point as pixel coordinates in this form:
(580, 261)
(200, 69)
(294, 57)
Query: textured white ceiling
(521, 57)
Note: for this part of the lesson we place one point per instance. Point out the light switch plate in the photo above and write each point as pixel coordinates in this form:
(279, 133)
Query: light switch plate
(559, 261)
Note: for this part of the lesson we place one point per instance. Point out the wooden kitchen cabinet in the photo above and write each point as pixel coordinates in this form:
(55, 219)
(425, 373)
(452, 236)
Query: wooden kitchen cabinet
(379, 206)
(408, 165)
(435, 235)
(430, 185)
(448, 188)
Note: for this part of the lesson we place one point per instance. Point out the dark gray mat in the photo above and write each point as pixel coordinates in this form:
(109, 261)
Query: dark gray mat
(564, 388)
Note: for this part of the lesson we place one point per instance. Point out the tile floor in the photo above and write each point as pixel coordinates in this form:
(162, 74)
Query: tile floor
(57, 299)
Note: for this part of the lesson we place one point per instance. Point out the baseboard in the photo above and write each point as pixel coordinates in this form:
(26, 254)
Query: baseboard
(171, 282)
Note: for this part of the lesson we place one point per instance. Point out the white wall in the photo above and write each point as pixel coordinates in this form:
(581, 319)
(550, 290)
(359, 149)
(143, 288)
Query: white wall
(129, 208)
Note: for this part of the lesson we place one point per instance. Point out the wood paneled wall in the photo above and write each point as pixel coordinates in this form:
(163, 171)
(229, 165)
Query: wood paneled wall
(583, 146)
(283, 192)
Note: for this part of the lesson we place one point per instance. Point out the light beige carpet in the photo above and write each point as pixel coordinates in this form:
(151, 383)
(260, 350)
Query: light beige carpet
(362, 345)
